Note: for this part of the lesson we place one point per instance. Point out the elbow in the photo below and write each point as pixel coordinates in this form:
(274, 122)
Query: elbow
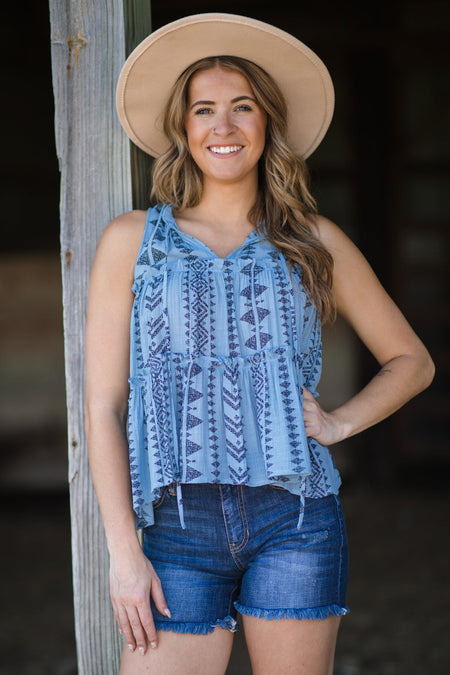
(430, 371)
(99, 416)
(426, 371)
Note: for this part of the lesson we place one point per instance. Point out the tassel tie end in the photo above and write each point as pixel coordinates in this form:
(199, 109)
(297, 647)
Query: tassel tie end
(301, 513)
(180, 506)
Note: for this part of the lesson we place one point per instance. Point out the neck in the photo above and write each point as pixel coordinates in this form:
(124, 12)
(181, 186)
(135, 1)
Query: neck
(227, 203)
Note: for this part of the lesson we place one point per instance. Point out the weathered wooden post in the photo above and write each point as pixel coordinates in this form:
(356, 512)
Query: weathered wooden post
(100, 178)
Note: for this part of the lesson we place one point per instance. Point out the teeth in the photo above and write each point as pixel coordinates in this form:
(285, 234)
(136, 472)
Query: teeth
(225, 149)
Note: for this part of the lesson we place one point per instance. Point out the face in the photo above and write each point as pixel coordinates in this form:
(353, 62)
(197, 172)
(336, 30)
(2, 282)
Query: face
(225, 126)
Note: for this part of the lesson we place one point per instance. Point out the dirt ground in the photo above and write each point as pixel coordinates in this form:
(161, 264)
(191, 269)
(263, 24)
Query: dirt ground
(399, 592)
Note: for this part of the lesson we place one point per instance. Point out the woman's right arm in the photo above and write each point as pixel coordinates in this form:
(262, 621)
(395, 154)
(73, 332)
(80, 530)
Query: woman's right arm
(132, 576)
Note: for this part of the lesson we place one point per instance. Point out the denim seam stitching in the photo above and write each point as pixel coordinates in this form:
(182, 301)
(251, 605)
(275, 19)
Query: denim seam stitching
(236, 559)
(239, 547)
(341, 545)
(231, 602)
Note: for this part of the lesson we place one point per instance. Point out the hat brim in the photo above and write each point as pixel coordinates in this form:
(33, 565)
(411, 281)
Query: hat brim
(152, 68)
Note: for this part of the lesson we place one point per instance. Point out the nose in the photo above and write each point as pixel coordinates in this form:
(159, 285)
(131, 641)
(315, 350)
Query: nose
(223, 124)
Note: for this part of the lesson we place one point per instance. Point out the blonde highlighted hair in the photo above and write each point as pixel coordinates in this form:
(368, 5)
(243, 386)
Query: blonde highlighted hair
(284, 203)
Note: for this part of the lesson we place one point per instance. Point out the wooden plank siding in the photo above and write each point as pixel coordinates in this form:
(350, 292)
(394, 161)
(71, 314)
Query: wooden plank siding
(89, 43)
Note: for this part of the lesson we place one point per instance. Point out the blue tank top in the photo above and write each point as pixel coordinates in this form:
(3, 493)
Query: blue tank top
(220, 351)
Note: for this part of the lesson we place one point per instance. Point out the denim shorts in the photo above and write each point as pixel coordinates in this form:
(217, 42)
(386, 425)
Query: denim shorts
(241, 551)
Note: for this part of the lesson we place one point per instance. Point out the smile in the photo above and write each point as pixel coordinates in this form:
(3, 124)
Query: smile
(224, 149)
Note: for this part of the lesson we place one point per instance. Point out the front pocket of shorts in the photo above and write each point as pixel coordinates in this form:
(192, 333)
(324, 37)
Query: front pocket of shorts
(321, 522)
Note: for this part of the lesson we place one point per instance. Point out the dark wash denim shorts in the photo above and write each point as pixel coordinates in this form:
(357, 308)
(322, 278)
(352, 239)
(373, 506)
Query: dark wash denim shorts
(241, 551)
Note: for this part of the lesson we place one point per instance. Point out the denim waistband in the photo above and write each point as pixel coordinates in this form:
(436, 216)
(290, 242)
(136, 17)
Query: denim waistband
(179, 494)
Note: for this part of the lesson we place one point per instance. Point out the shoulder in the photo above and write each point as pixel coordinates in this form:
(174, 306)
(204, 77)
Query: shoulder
(352, 273)
(125, 230)
(122, 237)
(347, 258)
(330, 235)
(119, 244)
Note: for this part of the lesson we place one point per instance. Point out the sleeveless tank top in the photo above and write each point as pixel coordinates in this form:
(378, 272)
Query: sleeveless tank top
(220, 351)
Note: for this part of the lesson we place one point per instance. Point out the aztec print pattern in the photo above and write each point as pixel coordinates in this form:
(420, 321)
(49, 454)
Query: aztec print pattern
(220, 351)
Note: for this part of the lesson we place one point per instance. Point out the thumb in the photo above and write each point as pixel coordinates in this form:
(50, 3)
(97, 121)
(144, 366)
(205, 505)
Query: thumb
(307, 394)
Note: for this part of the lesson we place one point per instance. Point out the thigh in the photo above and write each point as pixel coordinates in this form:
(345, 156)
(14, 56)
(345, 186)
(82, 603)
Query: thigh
(290, 646)
(182, 654)
(298, 574)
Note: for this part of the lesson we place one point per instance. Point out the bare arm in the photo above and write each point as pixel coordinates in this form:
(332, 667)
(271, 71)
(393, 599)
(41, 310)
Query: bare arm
(107, 372)
(406, 366)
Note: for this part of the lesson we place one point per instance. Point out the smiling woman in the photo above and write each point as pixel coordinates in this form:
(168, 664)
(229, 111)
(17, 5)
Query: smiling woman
(178, 180)
(226, 136)
(213, 354)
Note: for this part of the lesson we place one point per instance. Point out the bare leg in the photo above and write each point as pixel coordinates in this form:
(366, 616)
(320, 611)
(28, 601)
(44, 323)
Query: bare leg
(182, 654)
(291, 647)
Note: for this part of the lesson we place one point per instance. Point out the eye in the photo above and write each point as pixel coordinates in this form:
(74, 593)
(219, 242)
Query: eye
(244, 107)
(202, 111)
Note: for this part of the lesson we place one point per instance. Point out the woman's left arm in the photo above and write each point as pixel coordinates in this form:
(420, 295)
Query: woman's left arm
(406, 366)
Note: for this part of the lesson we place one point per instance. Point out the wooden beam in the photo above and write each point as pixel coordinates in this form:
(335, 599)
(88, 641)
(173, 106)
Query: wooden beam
(89, 43)
(137, 27)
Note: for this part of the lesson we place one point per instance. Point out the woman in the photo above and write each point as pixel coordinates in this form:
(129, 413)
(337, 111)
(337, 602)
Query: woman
(226, 281)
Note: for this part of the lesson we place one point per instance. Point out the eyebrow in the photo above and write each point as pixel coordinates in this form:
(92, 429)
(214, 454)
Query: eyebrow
(233, 100)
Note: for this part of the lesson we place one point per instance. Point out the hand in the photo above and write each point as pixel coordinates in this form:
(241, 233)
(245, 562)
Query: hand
(322, 426)
(132, 581)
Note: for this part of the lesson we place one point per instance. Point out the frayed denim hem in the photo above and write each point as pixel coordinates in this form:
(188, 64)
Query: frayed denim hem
(198, 628)
(314, 613)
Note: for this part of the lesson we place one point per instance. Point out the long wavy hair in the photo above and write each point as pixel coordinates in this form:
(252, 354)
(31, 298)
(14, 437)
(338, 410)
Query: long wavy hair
(283, 203)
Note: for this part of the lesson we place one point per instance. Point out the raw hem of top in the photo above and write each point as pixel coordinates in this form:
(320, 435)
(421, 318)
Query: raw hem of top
(198, 627)
(314, 613)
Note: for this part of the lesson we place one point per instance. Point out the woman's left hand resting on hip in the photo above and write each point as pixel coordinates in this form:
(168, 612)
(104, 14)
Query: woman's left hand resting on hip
(320, 425)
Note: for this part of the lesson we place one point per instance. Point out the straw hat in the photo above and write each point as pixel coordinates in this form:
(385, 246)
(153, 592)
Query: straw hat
(152, 68)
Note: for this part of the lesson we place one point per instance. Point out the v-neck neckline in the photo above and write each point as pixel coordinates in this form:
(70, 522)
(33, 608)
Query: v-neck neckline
(191, 237)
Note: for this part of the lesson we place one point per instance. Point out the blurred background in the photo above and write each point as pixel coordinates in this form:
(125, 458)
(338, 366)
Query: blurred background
(383, 174)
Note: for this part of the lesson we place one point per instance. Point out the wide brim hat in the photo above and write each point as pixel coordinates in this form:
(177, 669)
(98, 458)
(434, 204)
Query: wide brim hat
(150, 71)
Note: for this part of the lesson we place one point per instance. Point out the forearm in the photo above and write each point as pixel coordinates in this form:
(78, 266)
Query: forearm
(108, 460)
(132, 577)
(395, 384)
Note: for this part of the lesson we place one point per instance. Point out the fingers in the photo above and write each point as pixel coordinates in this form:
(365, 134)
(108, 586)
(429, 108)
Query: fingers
(123, 623)
(135, 635)
(158, 597)
(137, 625)
(312, 415)
(322, 426)
(143, 628)
(311, 409)
(134, 617)
(125, 628)
(147, 626)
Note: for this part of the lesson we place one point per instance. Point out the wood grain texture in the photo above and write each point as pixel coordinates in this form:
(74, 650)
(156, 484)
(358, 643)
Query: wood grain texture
(89, 43)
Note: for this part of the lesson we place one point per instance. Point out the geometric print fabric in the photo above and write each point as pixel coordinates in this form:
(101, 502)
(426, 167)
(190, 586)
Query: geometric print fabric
(220, 351)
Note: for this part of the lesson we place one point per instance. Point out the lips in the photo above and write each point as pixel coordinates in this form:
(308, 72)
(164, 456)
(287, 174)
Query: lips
(224, 149)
